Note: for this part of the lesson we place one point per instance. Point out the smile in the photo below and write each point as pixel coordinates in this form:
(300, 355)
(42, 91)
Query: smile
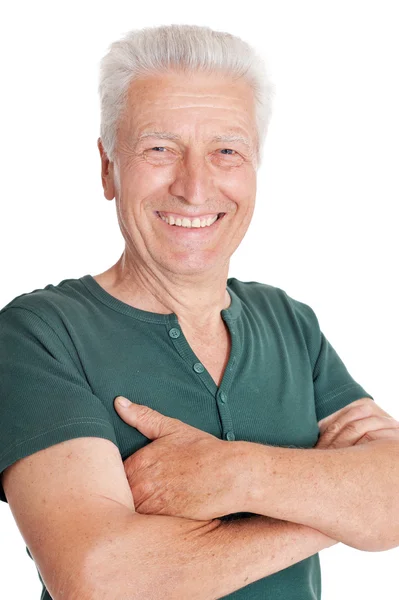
(195, 222)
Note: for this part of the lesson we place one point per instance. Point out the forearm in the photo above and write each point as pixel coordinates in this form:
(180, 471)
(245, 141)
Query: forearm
(170, 557)
(350, 494)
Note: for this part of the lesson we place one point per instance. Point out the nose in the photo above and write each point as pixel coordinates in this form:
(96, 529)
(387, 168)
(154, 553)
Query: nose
(193, 181)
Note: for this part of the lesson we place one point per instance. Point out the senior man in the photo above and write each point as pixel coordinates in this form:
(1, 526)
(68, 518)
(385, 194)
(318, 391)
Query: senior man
(246, 447)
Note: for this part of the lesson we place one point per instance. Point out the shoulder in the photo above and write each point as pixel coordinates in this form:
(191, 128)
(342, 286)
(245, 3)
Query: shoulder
(259, 296)
(293, 321)
(51, 304)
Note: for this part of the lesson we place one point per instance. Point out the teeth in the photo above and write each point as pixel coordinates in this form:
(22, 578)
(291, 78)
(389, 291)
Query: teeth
(188, 222)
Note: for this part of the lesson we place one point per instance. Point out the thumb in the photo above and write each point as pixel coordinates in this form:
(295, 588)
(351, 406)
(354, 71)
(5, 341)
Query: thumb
(149, 422)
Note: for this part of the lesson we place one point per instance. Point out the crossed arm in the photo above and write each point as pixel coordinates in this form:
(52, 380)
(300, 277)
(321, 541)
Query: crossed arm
(347, 487)
(89, 541)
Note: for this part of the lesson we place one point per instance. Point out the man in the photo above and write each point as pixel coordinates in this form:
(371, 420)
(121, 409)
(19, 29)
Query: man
(247, 447)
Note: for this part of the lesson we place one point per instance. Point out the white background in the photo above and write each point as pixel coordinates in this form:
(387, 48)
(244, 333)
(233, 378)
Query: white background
(324, 227)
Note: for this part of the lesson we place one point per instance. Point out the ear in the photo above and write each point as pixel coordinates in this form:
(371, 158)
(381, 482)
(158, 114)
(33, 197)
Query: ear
(107, 172)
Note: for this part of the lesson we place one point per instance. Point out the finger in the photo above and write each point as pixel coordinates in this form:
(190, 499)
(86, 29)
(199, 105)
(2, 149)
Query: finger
(149, 422)
(389, 434)
(338, 420)
(359, 409)
(364, 407)
(356, 410)
(353, 431)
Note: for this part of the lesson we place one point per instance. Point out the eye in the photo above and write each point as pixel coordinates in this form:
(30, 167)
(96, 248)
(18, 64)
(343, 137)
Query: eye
(228, 150)
(227, 157)
(160, 155)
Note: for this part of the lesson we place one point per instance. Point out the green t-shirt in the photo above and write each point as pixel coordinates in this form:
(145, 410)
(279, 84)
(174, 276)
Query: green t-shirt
(67, 350)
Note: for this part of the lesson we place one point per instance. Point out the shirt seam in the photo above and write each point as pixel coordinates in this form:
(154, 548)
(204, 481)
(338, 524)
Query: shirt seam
(154, 320)
(66, 423)
(337, 392)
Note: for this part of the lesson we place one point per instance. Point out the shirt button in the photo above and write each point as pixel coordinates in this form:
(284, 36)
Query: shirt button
(230, 436)
(174, 332)
(198, 368)
(223, 397)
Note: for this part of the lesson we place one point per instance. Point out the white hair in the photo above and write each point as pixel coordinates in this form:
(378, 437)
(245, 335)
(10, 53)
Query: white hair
(154, 50)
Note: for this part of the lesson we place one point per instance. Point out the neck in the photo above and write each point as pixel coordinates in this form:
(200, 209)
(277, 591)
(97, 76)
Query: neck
(196, 300)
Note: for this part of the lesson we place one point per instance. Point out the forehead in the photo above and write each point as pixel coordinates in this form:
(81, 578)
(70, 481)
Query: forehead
(199, 97)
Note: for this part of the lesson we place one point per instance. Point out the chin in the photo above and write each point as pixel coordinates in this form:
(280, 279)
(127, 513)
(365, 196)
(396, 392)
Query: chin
(190, 266)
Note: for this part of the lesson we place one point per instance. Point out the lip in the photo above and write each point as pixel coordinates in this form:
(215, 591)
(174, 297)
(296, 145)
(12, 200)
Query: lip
(192, 231)
(191, 217)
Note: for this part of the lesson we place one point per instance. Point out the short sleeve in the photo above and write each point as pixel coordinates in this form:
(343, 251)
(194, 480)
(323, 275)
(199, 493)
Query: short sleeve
(333, 385)
(44, 398)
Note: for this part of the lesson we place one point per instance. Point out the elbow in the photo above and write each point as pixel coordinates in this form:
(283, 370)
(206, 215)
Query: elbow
(378, 546)
(384, 528)
(381, 538)
(382, 542)
(375, 541)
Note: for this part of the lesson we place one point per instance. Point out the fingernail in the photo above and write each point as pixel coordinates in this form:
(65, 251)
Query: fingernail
(122, 401)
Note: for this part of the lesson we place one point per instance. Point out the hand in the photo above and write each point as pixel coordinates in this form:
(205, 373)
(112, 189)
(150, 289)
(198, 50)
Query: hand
(358, 423)
(184, 472)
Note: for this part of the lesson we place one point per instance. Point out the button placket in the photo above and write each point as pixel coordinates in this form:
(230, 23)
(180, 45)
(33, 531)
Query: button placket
(222, 393)
(186, 353)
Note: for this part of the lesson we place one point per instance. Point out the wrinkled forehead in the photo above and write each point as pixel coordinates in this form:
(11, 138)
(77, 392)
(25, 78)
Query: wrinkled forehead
(196, 96)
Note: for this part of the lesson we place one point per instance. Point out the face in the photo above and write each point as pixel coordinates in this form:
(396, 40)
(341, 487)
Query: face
(184, 174)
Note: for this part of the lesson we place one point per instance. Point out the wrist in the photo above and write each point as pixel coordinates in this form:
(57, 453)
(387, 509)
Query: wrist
(245, 484)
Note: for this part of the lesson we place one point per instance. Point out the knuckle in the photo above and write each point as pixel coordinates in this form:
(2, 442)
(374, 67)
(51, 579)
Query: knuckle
(333, 429)
(354, 427)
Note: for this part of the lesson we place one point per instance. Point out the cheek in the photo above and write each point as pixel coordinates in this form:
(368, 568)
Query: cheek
(143, 187)
(145, 177)
(241, 189)
(240, 186)
(156, 176)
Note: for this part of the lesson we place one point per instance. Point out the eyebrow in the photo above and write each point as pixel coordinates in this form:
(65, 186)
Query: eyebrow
(168, 135)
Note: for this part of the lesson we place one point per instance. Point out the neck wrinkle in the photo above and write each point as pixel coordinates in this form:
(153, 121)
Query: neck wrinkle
(194, 308)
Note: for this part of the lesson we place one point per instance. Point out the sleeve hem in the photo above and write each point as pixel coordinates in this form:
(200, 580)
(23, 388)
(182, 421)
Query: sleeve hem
(59, 433)
(339, 398)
